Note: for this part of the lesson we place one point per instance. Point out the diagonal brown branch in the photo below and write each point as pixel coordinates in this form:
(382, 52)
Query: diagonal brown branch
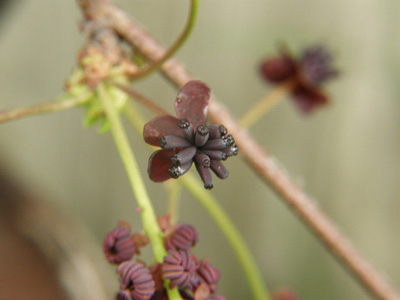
(265, 166)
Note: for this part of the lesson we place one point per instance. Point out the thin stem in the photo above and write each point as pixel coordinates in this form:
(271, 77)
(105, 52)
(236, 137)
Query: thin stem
(194, 5)
(142, 99)
(205, 198)
(53, 106)
(263, 106)
(246, 260)
(264, 165)
(149, 219)
(174, 197)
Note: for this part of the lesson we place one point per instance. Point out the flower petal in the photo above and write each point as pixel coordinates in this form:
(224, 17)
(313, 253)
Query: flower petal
(160, 126)
(308, 99)
(192, 102)
(159, 163)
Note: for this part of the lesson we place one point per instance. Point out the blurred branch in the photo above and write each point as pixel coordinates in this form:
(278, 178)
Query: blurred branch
(53, 106)
(264, 165)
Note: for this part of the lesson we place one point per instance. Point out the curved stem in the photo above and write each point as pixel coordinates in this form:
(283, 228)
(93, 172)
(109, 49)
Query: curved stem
(263, 106)
(194, 5)
(149, 219)
(246, 260)
(53, 106)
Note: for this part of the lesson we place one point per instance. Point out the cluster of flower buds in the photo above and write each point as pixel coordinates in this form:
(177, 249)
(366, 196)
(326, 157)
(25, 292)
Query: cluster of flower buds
(189, 140)
(307, 73)
(195, 279)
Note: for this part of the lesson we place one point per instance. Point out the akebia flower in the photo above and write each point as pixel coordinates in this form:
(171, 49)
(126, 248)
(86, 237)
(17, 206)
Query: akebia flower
(187, 139)
(136, 281)
(307, 73)
(118, 245)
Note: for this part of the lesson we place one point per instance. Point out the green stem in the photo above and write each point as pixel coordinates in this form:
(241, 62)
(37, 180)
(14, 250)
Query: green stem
(53, 106)
(174, 196)
(149, 219)
(178, 43)
(208, 201)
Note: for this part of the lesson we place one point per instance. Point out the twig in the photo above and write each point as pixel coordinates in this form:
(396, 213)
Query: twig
(258, 159)
(53, 106)
(142, 99)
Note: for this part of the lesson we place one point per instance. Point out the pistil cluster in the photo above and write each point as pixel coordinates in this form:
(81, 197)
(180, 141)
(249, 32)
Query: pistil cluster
(206, 147)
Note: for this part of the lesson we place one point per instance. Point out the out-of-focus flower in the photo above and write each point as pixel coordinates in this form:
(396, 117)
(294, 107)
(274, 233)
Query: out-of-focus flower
(306, 73)
(188, 139)
(184, 237)
(136, 281)
(118, 245)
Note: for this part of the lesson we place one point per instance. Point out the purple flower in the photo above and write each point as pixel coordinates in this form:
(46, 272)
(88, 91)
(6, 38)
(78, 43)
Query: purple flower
(118, 245)
(179, 267)
(188, 139)
(135, 280)
(184, 237)
(308, 73)
(208, 275)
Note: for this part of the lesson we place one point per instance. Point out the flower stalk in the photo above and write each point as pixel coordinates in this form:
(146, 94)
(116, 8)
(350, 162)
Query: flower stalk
(263, 106)
(149, 219)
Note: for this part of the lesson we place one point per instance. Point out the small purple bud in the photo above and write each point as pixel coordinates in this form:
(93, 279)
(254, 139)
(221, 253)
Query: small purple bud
(118, 245)
(184, 237)
(136, 279)
(209, 275)
(179, 267)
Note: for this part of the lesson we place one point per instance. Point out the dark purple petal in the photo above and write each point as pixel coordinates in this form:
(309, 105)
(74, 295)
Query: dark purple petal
(159, 163)
(278, 69)
(160, 126)
(309, 99)
(178, 171)
(192, 102)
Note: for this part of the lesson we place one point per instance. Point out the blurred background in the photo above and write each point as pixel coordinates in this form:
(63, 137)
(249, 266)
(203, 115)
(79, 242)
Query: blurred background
(346, 156)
